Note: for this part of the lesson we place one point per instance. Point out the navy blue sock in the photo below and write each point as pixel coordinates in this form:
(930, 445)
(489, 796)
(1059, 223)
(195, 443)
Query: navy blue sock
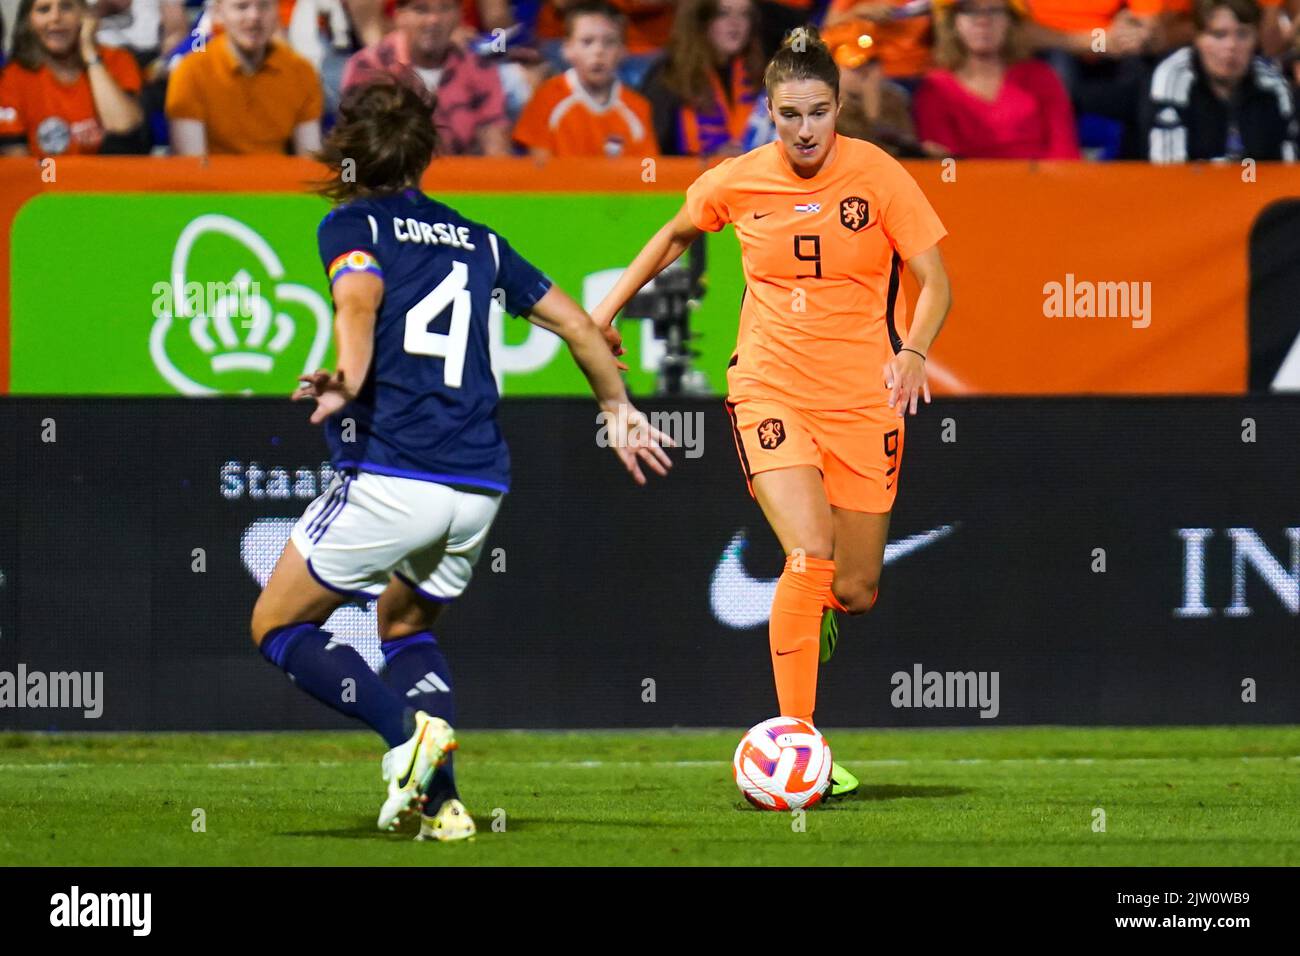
(320, 666)
(415, 668)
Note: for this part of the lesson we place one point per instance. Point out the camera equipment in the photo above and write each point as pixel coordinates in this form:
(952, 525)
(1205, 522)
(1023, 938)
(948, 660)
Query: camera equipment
(667, 302)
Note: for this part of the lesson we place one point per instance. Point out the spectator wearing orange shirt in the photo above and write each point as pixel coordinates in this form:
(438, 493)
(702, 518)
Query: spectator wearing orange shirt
(1106, 28)
(246, 91)
(902, 31)
(587, 111)
(1132, 27)
(872, 107)
(649, 26)
(63, 94)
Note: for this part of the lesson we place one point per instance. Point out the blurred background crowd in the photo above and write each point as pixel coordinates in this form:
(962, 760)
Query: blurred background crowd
(1158, 80)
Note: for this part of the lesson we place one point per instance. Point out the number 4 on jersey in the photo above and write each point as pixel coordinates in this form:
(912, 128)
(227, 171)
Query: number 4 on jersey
(450, 345)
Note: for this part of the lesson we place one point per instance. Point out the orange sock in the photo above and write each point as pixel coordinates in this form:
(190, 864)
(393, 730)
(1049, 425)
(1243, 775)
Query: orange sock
(794, 631)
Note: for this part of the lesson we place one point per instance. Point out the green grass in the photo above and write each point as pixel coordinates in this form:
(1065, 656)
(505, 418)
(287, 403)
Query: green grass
(1177, 796)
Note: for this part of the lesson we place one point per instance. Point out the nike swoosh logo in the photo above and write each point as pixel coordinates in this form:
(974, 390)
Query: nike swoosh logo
(759, 215)
(783, 653)
(740, 601)
(415, 753)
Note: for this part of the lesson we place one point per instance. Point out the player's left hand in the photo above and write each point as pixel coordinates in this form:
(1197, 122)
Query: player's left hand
(905, 379)
(329, 390)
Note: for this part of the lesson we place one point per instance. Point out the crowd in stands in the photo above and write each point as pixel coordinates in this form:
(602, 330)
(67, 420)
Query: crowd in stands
(1158, 80)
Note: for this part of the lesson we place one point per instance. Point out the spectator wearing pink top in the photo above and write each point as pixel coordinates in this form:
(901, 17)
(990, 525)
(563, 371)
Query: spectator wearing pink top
(471, 105)
(986, 100)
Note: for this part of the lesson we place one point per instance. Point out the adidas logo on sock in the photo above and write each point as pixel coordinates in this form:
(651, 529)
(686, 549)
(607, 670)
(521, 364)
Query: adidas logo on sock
(428, 684)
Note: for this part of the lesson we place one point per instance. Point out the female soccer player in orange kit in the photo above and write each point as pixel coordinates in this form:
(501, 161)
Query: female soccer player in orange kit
(825, 367)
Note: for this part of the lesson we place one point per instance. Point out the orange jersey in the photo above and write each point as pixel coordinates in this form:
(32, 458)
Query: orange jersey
(1078, 16)
(564, 120)
(57, 118)
(823, 309)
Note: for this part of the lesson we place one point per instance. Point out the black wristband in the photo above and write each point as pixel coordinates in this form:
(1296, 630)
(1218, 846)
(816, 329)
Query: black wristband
(913, 351)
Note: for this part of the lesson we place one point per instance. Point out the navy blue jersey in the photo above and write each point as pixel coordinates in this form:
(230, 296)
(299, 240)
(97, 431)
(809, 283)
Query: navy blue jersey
(427, 409)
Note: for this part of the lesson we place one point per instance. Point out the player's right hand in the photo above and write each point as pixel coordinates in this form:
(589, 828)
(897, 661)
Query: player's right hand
(906, 380)
(327, 388)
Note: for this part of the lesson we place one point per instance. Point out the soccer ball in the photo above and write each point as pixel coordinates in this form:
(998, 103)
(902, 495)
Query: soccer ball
(782, 764)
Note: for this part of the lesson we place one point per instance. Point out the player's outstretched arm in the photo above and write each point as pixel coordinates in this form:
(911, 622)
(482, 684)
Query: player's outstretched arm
(905, 372)
(356, 301)
(633, 440)
(664, 248)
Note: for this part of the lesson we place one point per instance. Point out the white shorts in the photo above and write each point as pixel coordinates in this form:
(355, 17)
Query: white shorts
(366, 527)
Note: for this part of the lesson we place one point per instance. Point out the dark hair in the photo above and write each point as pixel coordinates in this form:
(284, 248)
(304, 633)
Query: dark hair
(383, 141)
(1246, 11)
(594, 8)
(688, 58)
(803, 56)
(28, 51)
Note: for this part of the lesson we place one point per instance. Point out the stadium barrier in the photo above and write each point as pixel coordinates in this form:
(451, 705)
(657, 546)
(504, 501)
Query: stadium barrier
(1053, 561)
(1069, 277)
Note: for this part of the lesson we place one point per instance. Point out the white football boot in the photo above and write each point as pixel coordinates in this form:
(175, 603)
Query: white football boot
(409, 767)
(452, 822)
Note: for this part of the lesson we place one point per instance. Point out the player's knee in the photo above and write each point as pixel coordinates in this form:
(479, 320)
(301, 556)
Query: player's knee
(402, 615)
(858, 597)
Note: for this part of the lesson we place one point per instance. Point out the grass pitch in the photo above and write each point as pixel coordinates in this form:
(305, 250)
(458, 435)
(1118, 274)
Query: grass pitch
(1178, 796)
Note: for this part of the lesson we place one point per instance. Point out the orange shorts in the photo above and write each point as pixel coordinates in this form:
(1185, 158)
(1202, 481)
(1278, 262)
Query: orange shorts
(858, 452)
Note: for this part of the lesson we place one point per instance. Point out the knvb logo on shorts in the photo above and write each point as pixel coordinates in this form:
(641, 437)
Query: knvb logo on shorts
(771, 432)
(208, 334)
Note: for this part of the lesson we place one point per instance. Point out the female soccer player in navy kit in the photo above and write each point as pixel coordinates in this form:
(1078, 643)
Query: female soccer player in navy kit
(410, 418)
